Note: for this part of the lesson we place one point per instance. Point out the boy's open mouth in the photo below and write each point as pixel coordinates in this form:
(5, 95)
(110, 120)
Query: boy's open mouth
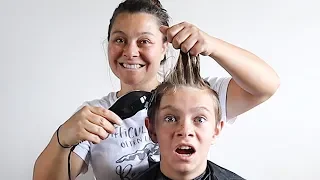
(185, 150)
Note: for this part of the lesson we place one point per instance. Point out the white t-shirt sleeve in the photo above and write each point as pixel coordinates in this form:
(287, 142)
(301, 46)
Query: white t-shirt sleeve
(83, 151)
(220, 85)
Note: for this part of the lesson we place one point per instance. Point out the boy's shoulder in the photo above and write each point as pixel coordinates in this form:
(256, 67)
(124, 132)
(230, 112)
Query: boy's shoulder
(222, 173)
(216, 172)
(149, 174)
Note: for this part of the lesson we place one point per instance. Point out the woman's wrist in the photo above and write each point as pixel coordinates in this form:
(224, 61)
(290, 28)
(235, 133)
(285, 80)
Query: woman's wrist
(59, 140)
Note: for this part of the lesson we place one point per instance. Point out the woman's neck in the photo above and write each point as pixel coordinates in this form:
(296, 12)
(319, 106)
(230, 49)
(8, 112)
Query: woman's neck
(125, 88)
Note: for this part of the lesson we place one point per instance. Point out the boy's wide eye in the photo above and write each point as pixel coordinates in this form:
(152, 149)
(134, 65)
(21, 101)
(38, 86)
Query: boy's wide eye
(200, 119)
(170, 119)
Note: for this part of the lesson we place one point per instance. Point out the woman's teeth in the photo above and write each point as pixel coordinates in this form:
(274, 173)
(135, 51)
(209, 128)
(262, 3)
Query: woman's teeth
(131, 66)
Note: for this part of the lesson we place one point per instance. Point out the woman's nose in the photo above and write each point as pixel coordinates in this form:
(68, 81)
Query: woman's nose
(131, 50)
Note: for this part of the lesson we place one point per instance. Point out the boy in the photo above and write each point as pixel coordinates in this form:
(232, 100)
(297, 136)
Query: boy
(184, 118)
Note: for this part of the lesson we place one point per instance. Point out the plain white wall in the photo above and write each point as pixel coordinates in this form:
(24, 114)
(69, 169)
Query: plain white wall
(52, 60)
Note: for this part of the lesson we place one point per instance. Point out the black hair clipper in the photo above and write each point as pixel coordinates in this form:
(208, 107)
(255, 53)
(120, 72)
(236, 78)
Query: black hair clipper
(131, 103)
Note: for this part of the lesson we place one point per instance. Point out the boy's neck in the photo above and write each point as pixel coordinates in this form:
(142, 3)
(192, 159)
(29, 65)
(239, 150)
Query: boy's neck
(196, 174)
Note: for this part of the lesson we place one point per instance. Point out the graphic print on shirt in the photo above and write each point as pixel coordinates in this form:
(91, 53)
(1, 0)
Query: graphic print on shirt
(149, 149)
(133, 137)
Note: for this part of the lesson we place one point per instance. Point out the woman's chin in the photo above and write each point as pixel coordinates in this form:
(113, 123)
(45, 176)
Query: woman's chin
(131, 81)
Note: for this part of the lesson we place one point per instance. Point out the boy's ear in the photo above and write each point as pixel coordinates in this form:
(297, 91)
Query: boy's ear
(151, 130)
(217, 131)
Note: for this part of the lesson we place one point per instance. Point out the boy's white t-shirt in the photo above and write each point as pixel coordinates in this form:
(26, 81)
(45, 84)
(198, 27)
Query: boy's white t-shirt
(125, 153)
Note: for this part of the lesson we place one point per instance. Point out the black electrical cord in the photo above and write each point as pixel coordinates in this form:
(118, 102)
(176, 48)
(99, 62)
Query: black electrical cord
(69, 164)
(69, 155)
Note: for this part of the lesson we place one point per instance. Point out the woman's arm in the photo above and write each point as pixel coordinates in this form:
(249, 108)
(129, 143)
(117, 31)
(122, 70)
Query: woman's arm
(52, 164)
(253, 81)
(91, 124)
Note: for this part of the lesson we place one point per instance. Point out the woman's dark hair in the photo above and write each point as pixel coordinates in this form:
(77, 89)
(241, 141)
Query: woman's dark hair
(152, 7)
(186, 73)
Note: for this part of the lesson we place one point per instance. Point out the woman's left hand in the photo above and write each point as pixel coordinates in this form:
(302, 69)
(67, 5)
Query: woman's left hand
(188, 38)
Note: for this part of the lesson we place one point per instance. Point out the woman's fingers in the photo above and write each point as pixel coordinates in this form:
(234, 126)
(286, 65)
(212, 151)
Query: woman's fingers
(89, 123)
(163, 29)
(88, 136)
(100, 122)
(188, 38)
(189, 43)
(201, 48)
(181, 37)
(170, 32)
(107, 114)
(97, 130)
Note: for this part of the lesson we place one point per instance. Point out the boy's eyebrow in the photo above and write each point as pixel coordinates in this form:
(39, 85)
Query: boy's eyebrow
(168, 107)
(121, 32)
(195, 109)
(199, 108)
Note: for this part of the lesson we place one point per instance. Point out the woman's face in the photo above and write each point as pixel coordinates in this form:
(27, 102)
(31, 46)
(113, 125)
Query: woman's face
(136, 48)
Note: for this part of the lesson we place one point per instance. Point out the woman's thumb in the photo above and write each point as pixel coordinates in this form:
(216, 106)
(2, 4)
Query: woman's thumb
(164, 29)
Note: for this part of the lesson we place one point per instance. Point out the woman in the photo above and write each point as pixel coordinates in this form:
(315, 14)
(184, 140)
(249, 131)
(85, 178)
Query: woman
(138, 38)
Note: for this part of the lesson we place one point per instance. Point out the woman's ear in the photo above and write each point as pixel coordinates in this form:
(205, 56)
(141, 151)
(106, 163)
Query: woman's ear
(151, 130)
(164, 49)
(217, 131)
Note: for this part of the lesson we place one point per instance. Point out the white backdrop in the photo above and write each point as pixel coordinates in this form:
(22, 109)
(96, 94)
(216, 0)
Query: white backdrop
(52, 60)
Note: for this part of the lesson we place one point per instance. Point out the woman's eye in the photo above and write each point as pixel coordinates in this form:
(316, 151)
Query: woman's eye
(145, 41)
(200, 119)
(170, 119)
(119, 41)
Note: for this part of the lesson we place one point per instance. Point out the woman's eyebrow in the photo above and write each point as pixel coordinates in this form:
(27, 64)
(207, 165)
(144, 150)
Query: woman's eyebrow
(140, 33)
(117, 32)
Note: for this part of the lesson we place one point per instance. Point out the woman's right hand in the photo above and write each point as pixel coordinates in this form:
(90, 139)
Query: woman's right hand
(88, 124)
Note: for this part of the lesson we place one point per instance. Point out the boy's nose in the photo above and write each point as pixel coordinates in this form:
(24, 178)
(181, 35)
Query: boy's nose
(185, 129)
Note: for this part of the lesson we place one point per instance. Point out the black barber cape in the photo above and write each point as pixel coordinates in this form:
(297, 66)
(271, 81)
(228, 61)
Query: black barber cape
(213, 172)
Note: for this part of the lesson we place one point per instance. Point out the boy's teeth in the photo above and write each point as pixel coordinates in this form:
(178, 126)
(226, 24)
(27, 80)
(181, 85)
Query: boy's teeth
(131, 66)
(184, 147)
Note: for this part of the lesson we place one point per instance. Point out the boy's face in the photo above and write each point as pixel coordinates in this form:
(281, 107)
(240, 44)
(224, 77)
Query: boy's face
(185, 127)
